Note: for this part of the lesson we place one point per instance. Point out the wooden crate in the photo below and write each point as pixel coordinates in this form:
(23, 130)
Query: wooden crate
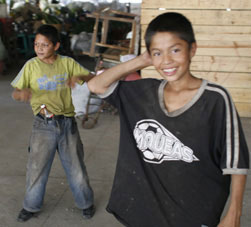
(223, 33)
(105, 16)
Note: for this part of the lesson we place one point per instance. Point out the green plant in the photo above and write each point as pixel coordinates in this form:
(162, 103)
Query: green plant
(50, 19)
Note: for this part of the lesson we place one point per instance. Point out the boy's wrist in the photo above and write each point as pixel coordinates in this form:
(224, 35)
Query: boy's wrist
(142, 61)
(135, 64)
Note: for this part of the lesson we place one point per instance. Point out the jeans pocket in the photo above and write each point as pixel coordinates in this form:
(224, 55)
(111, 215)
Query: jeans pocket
(38, 122)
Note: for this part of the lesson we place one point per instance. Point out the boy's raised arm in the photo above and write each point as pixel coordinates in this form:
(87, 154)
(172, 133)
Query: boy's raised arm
(99, 84)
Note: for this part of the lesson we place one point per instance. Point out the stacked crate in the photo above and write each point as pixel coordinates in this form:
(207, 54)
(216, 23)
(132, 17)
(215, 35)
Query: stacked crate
(223, 34)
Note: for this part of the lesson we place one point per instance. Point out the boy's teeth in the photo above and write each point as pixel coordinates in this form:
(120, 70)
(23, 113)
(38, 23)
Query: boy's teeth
(169, 70)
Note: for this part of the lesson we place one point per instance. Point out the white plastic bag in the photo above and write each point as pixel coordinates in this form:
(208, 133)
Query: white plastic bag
(80, 96)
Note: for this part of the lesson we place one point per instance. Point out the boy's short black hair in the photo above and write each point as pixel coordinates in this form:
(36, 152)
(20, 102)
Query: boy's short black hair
(170, 22)
(50, 32)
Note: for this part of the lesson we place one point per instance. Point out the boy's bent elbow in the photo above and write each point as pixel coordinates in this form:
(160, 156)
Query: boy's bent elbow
(91, 86)
(95, 88)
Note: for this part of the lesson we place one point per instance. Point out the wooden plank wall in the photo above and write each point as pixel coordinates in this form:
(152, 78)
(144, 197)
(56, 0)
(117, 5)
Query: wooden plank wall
(223, 33)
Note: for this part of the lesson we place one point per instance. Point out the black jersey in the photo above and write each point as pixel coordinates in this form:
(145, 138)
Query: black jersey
(173, 169)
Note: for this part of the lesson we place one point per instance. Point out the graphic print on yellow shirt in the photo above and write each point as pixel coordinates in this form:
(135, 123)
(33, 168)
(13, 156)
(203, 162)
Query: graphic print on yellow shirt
(50, 84)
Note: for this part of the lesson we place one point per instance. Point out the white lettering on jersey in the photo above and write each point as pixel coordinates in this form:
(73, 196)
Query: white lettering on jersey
(158, 144)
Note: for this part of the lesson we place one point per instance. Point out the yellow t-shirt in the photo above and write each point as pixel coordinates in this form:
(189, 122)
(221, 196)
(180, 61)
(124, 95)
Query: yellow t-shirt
(47, 83)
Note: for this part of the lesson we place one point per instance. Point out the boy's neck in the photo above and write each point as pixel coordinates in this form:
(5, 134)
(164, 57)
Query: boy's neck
(178, 94)
(190, 82)
(50, 60)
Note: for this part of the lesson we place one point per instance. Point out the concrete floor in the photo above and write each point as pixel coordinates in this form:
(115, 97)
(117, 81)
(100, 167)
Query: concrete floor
(101, 145)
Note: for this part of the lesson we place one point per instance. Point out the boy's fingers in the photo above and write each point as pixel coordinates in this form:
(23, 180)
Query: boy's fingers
(69, 83)
(72, 82)
(73, 85)
(26, 95)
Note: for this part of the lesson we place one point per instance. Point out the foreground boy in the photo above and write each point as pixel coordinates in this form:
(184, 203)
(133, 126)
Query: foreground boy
(42, 82)
(182, 143)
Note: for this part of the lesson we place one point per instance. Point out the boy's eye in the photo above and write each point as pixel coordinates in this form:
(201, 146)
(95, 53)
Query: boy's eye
(176, 50)
(43, 45)
(156, 54)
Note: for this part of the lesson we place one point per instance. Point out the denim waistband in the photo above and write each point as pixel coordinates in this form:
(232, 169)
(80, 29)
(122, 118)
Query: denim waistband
(55, 117)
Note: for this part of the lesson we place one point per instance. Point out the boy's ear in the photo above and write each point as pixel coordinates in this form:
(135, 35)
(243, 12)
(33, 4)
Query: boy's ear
(57, 46)
(193, 49)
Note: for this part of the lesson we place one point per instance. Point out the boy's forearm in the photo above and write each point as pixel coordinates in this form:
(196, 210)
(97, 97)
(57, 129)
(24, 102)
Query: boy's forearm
(233, 214)
(100, 83)
(237, 192)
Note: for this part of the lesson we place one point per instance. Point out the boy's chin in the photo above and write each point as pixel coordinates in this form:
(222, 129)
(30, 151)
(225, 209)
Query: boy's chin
(169, 78)
(40, 56)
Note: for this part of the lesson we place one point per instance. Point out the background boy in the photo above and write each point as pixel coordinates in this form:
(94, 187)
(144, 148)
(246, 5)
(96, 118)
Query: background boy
(182, 143)
(42, 82)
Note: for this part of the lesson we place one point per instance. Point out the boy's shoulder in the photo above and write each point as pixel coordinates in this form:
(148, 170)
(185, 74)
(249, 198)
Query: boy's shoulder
(215, 93)
(65, 58)
(31, 61)
(216, 88)
(29, 64)
(143, 82)
(131, 87)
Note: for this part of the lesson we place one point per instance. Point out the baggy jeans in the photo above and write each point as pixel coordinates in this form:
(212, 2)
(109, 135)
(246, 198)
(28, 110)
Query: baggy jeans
(49, 136)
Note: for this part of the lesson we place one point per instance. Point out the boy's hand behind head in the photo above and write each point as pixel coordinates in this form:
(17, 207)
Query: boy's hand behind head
(147, 58)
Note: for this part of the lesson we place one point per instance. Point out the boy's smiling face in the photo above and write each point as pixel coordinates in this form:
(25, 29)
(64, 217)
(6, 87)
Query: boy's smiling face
(171, 56)
(45, 49)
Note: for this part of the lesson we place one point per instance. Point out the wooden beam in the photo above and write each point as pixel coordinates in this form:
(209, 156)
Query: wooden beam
(132, 41)
(244, 109)
(112, 46)
(230, 80)
(220, 48)
(94, 36)
(106, 17)
(104, 32)
(195, 4)
(215, 32)
(204, 17)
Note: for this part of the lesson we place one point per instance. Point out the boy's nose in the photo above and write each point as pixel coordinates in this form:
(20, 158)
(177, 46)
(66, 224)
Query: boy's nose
(40, 47)
(167, 59)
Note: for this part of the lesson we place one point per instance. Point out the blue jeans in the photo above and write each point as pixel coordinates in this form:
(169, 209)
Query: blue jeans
(49, 136)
